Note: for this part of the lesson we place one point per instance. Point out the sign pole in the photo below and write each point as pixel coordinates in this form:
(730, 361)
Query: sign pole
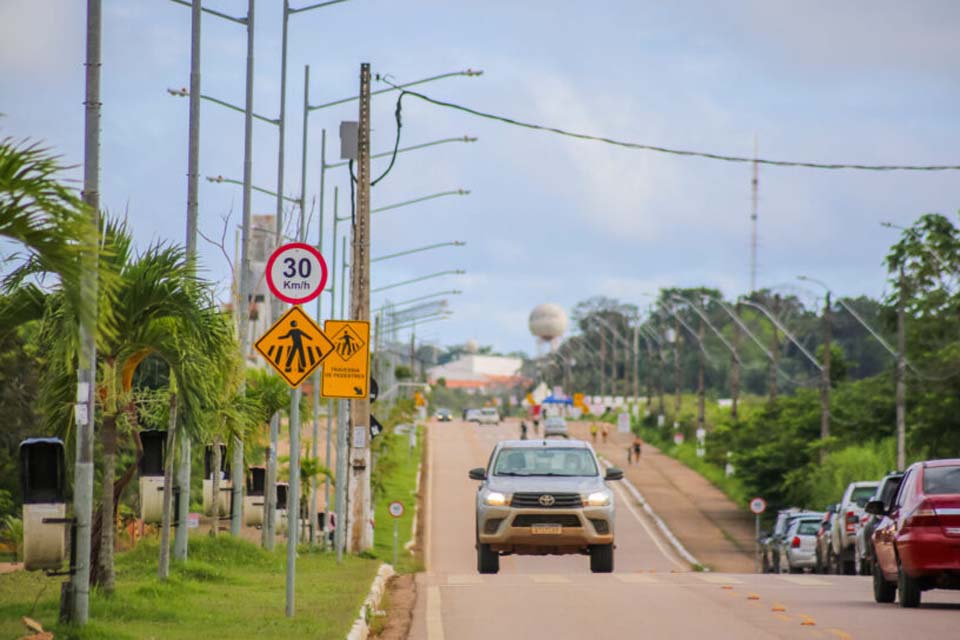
(293, 499)
(396, 537)
(756, 544)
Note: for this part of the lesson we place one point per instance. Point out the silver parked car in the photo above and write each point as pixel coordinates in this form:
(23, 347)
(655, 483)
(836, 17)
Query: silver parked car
(800, 543)
(555, 427)
(541, 497)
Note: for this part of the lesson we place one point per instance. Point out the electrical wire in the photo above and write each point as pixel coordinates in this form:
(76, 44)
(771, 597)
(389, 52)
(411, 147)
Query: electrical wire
(396, 143)
(670, 150)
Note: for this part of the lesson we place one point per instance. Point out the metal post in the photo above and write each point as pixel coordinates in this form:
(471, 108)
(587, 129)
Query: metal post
(636, 370)
(341, 487)
(901, 376)
(775, 351)
(825, 380)
(244, 329)
(756, 543)
(270, 491)
(396, 539)
(676, 372)
(87, 353)
(735, 369)
(701, 391)
(193, 180)
(293, 500)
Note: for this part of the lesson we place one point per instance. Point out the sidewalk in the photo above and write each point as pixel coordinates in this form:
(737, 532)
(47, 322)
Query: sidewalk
(718, 533)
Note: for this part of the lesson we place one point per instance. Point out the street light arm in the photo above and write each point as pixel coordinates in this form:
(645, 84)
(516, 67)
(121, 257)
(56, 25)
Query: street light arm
(455, 243)
(743, 327)
(415, 324)
(221, 179)
(466, 72)
(318, 5)
(706, 321)
(387, 154)
(450, 292)
(218, 14)
(183, 92)
(455, 192)
(785, 331)
(691, 331)
(420, 279)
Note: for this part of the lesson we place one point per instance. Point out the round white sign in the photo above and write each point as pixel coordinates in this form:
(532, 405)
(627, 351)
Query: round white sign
(396, 509)
(296, 273)
(758, 505)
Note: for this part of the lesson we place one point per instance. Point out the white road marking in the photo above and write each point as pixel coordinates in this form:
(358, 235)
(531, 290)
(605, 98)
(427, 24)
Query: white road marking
(635, 578)
(428, 533)
(653, 536)
(464, 578)
(714, 578)
(434, 614)
(549, 578)
(806, 581)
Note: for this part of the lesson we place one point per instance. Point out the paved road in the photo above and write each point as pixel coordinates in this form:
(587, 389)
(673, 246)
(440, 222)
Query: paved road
(651, 594)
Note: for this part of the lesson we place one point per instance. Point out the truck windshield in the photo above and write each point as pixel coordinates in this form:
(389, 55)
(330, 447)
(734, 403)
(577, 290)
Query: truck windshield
(548, 461)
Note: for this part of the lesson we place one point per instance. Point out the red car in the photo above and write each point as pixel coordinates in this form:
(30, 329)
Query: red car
(917, 541)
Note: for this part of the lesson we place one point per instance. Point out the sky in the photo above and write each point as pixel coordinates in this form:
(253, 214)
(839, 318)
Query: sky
(548, 219)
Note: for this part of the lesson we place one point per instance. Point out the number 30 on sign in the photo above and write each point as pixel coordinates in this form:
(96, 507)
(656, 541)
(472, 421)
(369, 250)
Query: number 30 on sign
(296, 273)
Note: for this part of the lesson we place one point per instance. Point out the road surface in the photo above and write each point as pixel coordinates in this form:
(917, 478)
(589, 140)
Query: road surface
(652, 592)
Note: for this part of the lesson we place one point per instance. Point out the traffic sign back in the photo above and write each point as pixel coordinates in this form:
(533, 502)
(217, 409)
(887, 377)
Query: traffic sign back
(758, 505)
(294, 346)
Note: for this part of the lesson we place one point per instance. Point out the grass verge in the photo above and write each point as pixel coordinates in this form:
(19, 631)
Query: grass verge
(229, 589)
(400, 485)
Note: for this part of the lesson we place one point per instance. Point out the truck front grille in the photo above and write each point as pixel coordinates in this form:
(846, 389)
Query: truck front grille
(530, 519)
(560, 500)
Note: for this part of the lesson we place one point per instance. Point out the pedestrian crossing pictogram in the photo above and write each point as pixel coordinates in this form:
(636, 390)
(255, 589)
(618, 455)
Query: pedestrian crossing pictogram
(294, 346)
(346, 373)
(347, 343)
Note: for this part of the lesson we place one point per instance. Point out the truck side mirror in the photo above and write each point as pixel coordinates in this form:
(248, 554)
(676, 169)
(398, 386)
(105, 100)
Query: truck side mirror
(876, 508)
(478, 474)
(614, 473)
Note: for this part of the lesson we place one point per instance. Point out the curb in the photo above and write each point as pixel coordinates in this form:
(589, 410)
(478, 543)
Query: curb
(416, 513)
(661, 525)
(361, 627)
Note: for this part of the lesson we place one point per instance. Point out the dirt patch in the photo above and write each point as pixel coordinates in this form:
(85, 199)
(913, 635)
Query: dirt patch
(400, 599)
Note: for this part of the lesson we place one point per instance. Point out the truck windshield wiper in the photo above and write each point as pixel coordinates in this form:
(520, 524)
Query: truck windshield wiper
(512, 473)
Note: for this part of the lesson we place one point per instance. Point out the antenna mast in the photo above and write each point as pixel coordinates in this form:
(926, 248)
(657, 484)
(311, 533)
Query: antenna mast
(753, 220)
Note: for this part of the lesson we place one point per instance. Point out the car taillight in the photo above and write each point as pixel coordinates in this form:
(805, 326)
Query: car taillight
(923, 516)
(851, 521)
(795, 543)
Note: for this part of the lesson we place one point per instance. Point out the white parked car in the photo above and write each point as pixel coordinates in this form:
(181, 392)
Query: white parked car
(471, 415)
(489, 416)
(800, 544)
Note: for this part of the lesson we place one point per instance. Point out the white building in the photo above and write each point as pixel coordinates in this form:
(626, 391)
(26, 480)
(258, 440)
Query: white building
(478, 372)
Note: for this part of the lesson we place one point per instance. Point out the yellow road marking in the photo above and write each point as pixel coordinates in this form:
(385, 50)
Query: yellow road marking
(434, 614)
(807, 621)
(782, 616)
(843, 635)
(550, 578)
(464, 579)
(635, 578)
(778, 607)
(753, 596)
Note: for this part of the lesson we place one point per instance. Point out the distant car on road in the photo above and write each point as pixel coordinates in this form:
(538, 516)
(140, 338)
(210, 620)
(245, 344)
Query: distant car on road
(800, 543)
(863, 546)
(538, 497)
(769, 551)
(917, 540)
(488, 415)
(844, 531)
(471, 415)
(555, 427)
(780, 540)
(444, 415)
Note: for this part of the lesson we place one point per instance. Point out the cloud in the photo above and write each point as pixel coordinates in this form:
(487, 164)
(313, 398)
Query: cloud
(40, 37)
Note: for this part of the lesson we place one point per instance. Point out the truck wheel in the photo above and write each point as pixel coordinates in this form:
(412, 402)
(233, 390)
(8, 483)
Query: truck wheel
(766, 564)
(909, 589)
(601, 558)
(883, 590)
(488, 561)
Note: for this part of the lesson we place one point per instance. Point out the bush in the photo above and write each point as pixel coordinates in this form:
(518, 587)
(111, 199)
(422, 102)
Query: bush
(12, 534)
(818, 485)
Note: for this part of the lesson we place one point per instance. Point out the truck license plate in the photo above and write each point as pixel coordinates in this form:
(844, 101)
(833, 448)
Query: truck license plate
(548, 529)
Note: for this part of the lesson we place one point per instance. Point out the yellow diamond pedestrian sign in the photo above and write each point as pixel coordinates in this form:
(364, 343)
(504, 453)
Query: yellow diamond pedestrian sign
(294, 346)
(346, 373)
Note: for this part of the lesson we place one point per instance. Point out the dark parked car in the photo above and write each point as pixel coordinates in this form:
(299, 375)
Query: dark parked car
(863, 553)
(917, 540)
(769, 544)
(824, 551)
(444, 415)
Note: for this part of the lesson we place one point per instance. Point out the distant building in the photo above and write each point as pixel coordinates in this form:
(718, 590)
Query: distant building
(479, 373)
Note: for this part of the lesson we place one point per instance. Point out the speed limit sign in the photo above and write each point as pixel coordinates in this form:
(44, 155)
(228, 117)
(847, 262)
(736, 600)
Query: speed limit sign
(758, 506)
(396, 509)
(296, 273)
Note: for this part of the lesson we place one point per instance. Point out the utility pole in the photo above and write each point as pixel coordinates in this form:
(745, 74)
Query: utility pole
(825, 379)
(754, 184)
(901, 375)
(360, 310)
(676, 371)
(193, 181)
(735, 369)
(775, 352)
(636, 367)
(79, 590)
(701, 392)
(614, 366)
(603, 365)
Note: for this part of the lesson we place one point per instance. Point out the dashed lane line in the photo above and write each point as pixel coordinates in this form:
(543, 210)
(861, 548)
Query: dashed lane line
(635, 578)
(714, 578)
(465, 578)
(549, 578)
(806, 581)
(434, 614)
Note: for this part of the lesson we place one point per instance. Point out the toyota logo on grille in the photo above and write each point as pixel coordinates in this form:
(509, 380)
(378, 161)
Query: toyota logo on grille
(547, 500)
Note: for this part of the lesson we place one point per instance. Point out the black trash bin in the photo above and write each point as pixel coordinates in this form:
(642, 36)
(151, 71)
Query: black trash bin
(43, 482)
(253, 501)
(151, 475)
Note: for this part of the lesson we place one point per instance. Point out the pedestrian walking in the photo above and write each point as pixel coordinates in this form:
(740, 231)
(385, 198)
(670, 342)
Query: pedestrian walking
(593, 432)
(523, 430)
(605, 432)
(637, 447)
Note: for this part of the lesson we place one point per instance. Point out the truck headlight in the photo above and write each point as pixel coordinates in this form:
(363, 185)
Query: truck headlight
(598, 499)
(496, 499)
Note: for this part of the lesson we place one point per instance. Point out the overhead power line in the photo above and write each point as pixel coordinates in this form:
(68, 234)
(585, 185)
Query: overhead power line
(672, 151)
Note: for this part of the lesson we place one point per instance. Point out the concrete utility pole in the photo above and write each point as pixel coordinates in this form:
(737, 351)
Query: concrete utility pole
(193, 184)
(360, 310)
(79, 591)
(603, 364)
(775, 352)
(901, 376)
(701, 366)
(636, 367)
(614, 366)
(676, 370)
(735, 369)
(825, 378)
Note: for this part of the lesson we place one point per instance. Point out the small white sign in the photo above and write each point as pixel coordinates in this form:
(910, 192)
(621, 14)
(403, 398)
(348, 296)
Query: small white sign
(193, 521)
(360, 437)
(396, 509)
(701, 434)
(758, 505)
(623, 423)
(81, 414)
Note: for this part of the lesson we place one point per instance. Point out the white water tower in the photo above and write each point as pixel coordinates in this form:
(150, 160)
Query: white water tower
(548, 322)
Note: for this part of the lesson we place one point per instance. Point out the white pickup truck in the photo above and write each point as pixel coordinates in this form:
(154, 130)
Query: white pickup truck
(844, 532)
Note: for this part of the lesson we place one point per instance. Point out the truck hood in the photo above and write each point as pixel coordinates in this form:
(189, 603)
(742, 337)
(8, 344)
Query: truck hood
(546, 484)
